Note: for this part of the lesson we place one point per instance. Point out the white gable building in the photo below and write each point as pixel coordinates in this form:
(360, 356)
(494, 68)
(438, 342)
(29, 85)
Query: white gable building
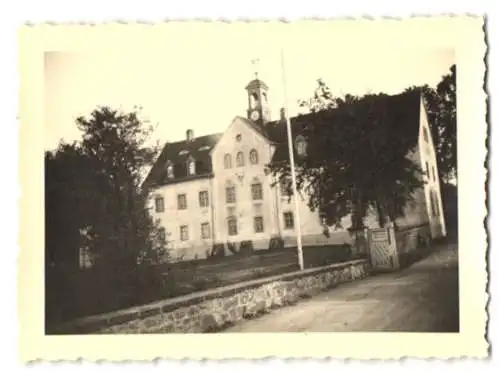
(213, 189)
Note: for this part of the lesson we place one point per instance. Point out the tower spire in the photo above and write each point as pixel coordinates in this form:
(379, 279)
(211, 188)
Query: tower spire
(258, 106)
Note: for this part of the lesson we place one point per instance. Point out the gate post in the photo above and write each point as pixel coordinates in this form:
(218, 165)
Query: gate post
(368, 245)
(393, 246)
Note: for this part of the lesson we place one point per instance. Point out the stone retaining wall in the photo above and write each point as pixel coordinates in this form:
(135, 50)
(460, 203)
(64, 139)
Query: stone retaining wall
(219, 308)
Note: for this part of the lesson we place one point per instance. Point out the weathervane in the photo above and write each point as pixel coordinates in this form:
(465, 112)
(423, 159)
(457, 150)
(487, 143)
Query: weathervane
(255, 63)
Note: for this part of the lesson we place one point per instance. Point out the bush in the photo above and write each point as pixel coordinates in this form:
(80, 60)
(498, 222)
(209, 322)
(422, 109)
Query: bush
(232, 247)
(276, 243)
(217, 251)
(246, 247)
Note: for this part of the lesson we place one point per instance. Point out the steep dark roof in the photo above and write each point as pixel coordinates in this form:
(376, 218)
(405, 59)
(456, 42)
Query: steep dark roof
(404, 107)
(198, 148)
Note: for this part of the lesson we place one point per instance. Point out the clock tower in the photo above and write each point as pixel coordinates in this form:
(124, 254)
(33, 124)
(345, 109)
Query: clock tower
(258, 107)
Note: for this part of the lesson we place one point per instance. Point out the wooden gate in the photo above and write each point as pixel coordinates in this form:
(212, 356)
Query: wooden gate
(383, 249)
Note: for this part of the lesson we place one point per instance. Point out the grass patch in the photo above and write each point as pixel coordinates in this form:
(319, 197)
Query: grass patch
(84, 293)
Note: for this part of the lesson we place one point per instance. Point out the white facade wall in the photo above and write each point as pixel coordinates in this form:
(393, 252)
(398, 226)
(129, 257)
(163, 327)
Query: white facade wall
(428, 159)
(242, 138)
(172, 218)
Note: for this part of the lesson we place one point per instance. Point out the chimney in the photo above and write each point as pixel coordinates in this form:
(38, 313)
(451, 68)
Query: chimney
(282, 114)
(189, 135)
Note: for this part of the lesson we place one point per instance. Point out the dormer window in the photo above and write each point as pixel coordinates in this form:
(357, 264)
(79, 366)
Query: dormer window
(183, 152)
(191, 167)
(204, 148)
(301, 146)
(170, 171)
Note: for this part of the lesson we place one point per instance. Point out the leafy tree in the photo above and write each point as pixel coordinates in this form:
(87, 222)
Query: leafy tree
(323, 99)
(67, 172)
(94, 200)
(121, 230)
(357, 158)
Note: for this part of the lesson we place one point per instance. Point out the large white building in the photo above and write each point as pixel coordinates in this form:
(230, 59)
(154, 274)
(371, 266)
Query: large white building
(213, 189)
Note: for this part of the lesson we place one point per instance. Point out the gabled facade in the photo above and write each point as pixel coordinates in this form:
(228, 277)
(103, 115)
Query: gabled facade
(432, 189)
(214, 189)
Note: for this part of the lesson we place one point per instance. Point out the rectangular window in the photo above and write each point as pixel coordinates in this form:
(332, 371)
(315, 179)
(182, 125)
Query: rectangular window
(288, 218)
(431, 197)
(232, 226)
(285, 185)
(426, 135)
(256, 191)
(230, 194)
(203, 199)
(162, 234)
(258, 224)
(181, 201)
(184, 233)
(435, 204)
(205, 231)
(427, 170)
(159, 204)
(433, 174)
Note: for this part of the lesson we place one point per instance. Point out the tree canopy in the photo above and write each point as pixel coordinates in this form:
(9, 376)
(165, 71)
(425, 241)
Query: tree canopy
(358, 157)
(94, 201)
(93, 189)
(115, 143)
(67, 202)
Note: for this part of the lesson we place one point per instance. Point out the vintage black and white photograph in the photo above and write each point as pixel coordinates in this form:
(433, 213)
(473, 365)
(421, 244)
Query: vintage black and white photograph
(228, 179)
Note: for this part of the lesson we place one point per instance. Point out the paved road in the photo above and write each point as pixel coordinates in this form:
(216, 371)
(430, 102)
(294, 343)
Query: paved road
(421, 298)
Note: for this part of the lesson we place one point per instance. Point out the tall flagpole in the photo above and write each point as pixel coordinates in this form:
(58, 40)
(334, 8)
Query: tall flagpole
(292, 164)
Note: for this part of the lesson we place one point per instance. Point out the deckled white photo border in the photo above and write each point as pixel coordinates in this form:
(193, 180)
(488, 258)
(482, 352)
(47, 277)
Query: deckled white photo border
(464, 33)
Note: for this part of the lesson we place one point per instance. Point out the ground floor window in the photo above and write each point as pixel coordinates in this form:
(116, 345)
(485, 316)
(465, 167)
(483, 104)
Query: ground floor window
(205, 231)
(258, 224)
(232, 226)
(288, 219)
(184, 233)
(434, 203)
(162, 234)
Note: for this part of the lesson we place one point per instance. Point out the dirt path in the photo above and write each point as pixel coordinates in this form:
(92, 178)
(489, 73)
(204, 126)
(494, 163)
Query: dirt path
(421, 298)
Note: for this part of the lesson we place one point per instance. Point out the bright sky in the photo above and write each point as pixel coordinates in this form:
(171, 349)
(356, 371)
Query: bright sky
(196, 78)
